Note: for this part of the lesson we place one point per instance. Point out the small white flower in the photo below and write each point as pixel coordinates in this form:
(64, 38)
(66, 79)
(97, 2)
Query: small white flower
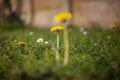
(31, 33)
(95, 44)
(46, 42)
(108, 37)
(81, 29)
(85, 33)
(15, 41)
(39, 40)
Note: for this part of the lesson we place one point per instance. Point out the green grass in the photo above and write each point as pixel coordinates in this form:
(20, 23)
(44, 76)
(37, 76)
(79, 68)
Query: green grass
(94, 56)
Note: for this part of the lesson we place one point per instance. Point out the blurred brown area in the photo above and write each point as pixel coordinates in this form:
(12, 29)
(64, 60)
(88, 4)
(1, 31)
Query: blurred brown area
(8, 11)
(40, 13)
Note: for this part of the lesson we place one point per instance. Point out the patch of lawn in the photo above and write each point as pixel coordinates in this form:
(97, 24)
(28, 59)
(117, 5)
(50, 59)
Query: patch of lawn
(94, 55)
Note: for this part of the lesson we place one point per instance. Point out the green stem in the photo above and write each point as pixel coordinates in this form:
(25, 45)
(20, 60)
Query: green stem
(66, 47)
(46, 53)
(57, 50)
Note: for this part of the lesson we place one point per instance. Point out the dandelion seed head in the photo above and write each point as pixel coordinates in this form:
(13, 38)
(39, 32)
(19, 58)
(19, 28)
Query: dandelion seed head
(95, 44)
(108, 37)
(81, 29)
(46, 42)
(85, 33)
(31, 33)
(40, 40)
(15, 41)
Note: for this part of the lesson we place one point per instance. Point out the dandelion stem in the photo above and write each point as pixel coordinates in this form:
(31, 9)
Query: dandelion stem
(66, 47)
(57, 50)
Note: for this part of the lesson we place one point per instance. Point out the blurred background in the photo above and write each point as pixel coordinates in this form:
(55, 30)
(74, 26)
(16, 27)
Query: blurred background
(40, 13)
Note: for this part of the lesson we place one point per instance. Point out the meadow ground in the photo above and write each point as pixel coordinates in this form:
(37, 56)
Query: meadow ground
(94, 55)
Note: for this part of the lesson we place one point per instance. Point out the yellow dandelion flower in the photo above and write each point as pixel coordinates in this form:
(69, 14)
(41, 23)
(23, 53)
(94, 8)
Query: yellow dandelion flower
(22, 43)
(63, 17)
(113, 26)
(56, 28)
